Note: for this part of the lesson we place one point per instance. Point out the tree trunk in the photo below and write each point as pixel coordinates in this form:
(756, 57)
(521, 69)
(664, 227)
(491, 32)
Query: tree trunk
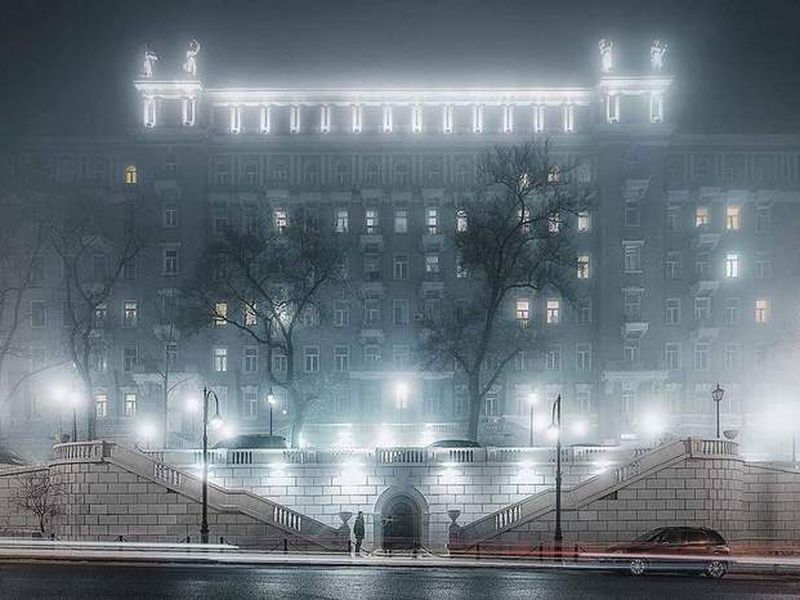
(475, 404)
(298, 420)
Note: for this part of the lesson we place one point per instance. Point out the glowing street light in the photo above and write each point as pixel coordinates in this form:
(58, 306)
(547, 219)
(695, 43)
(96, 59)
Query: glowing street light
(717, 394)
(555, 425)
(270, 403)
(216, 423)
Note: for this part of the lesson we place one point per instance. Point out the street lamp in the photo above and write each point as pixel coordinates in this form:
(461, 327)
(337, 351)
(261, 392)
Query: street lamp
(216, 422)
(533, 400)
(270, 403)
(717, 394)
(555, 425)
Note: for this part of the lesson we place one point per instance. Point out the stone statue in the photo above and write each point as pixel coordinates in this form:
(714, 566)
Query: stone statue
(657, 51)
(606, 55)
(192, 50)
(147, 64)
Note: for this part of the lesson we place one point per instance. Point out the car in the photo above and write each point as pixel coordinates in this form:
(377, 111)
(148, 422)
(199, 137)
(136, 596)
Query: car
(676, 549)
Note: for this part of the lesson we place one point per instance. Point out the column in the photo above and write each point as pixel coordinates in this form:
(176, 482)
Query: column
(149, 112)
(294, 119)
(188, 107)
(568, 113)
(265, 119)
(236, 119)
(358, 114)
(612, 108)
(508, 118)
(656, 107)
(447, 118)
(538, 118)
(416, 118)
(324, 119)
(388, 122)
(477, 118)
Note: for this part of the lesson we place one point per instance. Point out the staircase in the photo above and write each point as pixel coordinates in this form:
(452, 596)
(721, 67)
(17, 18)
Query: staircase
(595, 488)
(298, 527)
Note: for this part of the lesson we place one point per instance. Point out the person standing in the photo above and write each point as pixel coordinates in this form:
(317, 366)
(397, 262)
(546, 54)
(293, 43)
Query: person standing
(358, 531)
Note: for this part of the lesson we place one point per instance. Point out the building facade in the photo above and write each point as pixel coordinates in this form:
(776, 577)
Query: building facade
(687, 263)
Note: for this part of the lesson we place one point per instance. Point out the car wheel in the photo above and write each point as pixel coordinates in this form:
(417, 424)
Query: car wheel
(716, 569)
(637, 566)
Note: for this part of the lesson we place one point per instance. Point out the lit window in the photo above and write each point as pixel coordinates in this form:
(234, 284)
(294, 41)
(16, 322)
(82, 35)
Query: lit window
(553, 313)
(701, 216)
(281, 219)
(130, 405)
(583, 267)
(220, 313)
(250, 315)
(584, 221)
(554, 223)
(732, 266)
(220, 360)
(523, 312)
(101, 406)
(311, 359)
(461, 221)
(432, 220)
(371, 221)
(131, 175)
(732, 218)
(130, 313)
(432, 263)
(342, 221)
(762, 310)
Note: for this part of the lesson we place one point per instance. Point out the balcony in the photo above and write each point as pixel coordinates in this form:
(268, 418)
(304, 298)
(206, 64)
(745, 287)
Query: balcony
(704, 287)
(634, 328)
(372, 241)
(706, 241)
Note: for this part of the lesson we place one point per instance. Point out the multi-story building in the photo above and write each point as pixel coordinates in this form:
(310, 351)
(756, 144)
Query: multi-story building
(687, 262)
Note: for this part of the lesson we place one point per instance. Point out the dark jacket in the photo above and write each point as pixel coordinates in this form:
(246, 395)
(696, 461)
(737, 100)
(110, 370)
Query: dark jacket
(358, 527)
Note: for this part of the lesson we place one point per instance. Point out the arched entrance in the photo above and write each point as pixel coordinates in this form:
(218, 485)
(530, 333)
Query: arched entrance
(401, 521)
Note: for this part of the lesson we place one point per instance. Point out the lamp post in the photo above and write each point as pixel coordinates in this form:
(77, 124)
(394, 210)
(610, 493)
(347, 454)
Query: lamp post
(717, 394)
(270, 403)
(216, 421)
(533, 399)
(556, 424)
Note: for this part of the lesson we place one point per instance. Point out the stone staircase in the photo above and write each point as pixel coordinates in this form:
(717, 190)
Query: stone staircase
(537, 506)
(296, 526)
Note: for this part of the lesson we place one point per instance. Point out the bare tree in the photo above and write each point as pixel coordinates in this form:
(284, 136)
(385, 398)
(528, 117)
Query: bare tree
(95, 240)
(40, 494)
(268, 281)
(514, 237)
(22, 249)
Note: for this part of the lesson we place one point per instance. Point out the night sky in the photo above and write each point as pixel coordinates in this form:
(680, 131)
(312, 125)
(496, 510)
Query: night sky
(67, 66)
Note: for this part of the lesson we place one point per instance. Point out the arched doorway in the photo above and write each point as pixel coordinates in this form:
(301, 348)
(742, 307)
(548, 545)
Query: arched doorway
(401, 519)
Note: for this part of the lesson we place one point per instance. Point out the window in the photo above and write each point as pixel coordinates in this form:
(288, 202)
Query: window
(583, 357)
(701, 351)
(250, 359)
(250, 404)
(702, 264)
(129, 269)
(220, 360)
(763, 222)
(630, 350)
(553, 312)
(372, 267)
(461, 269)
(279, 362)
(311, 359)
(762, 310)
(372, 353)
(401, 355)
(583, 267)
(583, 399)
(281, 219)
(130, 356)
(341, 359)
(101, 406)
(554, 223)
(730, 356)
(585, 311)
(400, 311)
(632, 257)
(171, 354)
(672, 311)
(342, 221)
(432, 264)
(130, 313)
(220, 314)
(731, 311)
(672, 356)
(523, 312)
(432, 220)
(628, 397)
(701, 216)
(702, 308)
(129, 408)
(341, 313)
(170, 217)
(552, 359)
(631, 216)
(250, 314)
(632, 304)
(310, 316)
(731, 265)
(372, 310)
(371, 221)
(461, 221)
(131, 175)
(169, 261)
(763, 265)
(673, 265)
(733, 217)
(38, 314)
(400, 269)
(220, 217)
(584, 221)
(673, 218)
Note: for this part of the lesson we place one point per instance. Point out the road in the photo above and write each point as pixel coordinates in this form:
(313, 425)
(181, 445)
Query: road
(120, 582)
